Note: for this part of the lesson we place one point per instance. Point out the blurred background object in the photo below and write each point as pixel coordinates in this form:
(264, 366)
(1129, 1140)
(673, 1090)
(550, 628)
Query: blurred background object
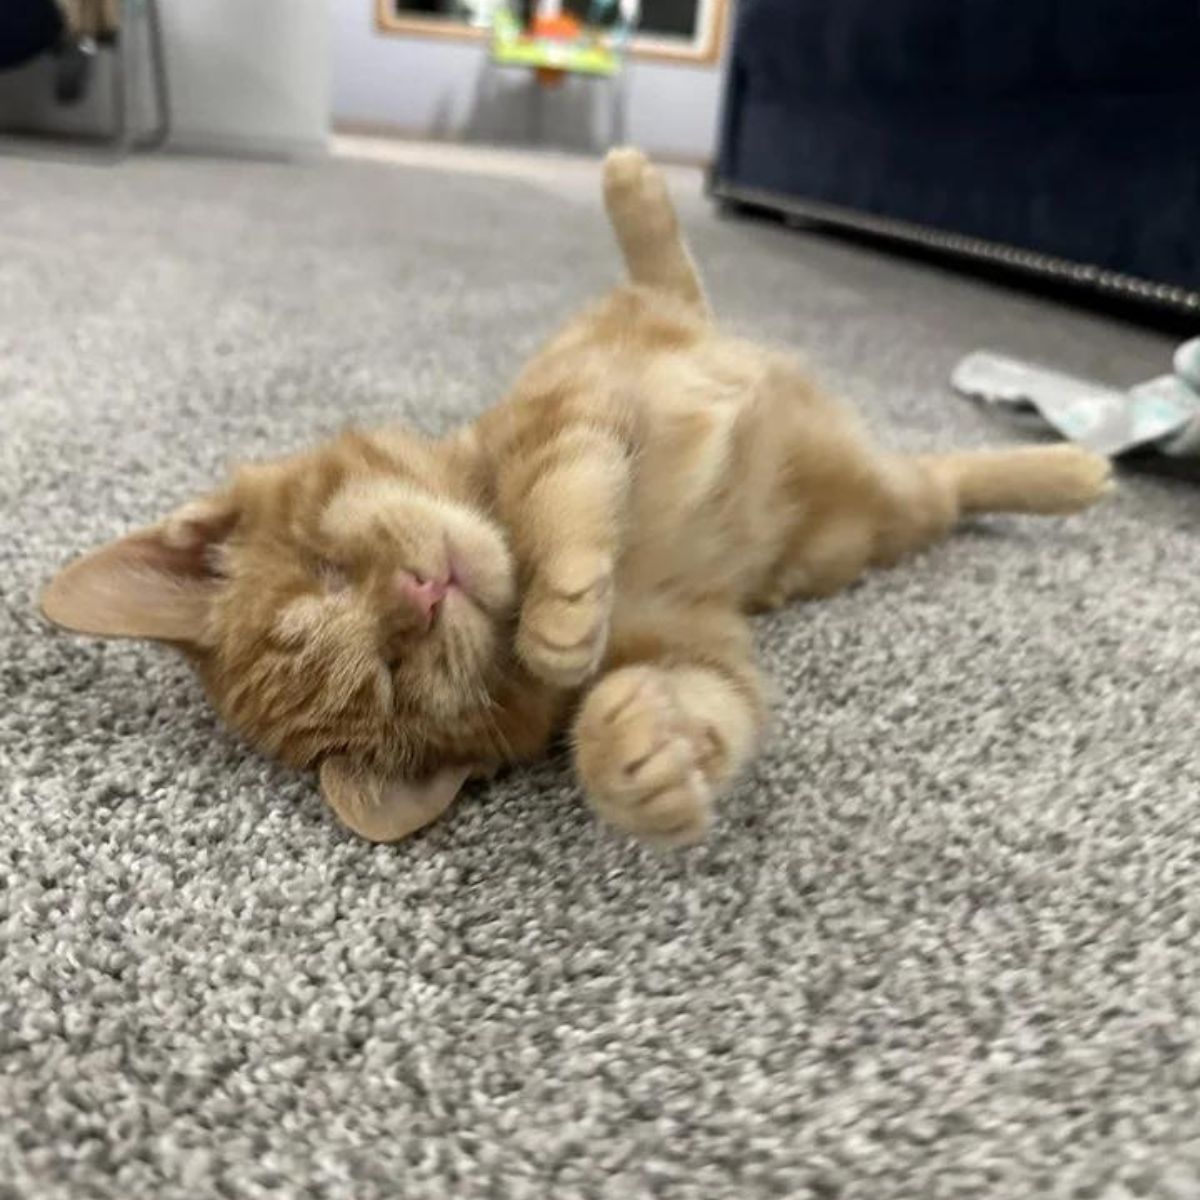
(75, 41)
(421, 69)
(243, 78)
(28, 28)
(1057, 140)
(552, 42)
(1060, 137)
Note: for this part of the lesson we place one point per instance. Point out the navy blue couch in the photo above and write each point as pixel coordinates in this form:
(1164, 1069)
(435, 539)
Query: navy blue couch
(27, 28)
(1069, 129)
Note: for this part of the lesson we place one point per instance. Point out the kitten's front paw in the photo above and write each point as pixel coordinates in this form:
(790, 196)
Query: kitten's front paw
(646, 768)
(563, 631)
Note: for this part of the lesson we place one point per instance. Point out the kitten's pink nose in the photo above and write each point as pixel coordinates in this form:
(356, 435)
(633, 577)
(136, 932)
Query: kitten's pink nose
(422, 595)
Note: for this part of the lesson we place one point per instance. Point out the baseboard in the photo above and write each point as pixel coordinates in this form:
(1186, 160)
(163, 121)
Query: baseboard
(354, 127)
(252, 146)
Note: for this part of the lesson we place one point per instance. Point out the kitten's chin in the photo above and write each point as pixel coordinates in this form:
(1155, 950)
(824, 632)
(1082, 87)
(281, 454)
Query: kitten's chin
(457, 669)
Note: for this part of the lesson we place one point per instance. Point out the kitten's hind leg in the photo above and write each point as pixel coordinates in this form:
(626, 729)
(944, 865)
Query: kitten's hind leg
(891, 508)
(926, 496)
(1033, 479)
(662, 735)
(647, 228)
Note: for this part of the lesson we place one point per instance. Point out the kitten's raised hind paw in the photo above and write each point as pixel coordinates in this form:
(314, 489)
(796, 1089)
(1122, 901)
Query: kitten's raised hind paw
(624, 166)
(563, 631)
(645, 765)
(636, 195)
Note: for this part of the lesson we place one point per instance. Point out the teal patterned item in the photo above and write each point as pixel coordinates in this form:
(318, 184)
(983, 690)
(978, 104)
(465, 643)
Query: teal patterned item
(1163, 413)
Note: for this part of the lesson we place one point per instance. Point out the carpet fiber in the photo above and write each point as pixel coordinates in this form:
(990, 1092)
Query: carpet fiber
(943, 941)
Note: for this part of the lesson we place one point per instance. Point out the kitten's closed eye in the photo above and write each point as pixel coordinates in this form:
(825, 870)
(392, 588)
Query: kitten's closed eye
(334, 577)
(216, 564)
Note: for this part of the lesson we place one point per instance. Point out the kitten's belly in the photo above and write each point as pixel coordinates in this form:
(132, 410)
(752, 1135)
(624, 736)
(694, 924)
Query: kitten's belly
(704, 518)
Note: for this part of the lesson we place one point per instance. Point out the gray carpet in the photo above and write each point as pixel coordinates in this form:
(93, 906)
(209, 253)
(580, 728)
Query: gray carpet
(944, 942)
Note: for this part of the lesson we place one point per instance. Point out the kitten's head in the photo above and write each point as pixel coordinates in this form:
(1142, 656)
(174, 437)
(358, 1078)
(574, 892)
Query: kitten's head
(348, 608)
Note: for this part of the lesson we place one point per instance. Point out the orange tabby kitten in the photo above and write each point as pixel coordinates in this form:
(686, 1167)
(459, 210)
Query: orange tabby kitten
(400, 613)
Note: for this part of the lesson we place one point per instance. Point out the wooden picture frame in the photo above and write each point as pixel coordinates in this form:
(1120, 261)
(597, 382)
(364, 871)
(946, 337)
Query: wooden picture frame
(704, 51)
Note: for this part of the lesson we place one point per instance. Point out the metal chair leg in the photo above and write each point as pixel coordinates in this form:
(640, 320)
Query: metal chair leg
(126, 92)
(158, 68)
(122, 82)
(617, 110)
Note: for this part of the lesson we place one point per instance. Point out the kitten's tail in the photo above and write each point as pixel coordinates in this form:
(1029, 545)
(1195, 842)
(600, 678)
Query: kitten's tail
(647, 228)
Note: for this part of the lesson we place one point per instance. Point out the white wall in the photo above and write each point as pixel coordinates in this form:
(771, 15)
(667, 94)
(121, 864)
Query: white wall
(249, 76)
(254, 73)
(438, 88)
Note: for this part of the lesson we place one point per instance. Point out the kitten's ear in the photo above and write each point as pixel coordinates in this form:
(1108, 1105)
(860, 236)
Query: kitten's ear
(155, 583)
(386, 810)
